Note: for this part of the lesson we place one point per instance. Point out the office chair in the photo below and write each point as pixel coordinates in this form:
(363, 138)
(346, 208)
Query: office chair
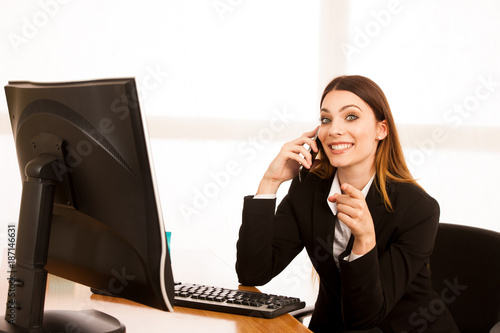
(465, 268)
(465, 271)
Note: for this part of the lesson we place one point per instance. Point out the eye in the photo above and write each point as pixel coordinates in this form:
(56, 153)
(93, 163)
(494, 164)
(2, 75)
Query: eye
(351, 117)
(325, 120)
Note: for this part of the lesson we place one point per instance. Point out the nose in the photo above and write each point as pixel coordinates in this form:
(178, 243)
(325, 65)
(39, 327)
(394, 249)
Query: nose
(336, 129)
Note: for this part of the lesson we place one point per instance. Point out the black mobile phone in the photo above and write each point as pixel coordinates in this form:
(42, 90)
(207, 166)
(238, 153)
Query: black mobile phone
(303, 171)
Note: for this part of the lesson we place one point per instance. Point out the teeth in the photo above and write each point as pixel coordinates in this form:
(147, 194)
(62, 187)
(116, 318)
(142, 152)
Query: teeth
(341, 147)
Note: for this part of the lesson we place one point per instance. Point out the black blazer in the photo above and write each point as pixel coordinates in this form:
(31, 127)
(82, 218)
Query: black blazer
(389, 287)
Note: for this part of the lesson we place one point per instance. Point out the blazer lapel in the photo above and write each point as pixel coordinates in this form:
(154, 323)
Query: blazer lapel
(322, 222)
(323, 229)
(375, 203)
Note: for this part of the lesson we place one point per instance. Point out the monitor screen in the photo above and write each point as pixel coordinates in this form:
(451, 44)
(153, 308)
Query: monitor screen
(87, 140)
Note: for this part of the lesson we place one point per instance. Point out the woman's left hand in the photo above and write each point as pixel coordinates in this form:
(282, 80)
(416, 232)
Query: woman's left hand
(353, 211)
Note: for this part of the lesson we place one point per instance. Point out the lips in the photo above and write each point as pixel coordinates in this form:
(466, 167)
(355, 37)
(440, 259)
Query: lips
(338, 148)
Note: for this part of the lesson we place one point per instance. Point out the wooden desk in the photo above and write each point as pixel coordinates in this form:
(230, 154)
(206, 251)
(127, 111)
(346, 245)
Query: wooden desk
(188, 266)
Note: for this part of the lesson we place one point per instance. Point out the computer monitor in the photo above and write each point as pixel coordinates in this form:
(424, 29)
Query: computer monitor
(89, 208)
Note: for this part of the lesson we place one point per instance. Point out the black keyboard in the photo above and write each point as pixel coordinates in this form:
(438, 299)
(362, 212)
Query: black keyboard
(246, 303)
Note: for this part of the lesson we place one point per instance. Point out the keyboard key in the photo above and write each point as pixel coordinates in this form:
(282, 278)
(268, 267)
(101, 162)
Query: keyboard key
(234, 301)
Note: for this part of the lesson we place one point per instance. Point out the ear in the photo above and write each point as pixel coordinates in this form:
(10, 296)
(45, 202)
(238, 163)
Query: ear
(382, 129)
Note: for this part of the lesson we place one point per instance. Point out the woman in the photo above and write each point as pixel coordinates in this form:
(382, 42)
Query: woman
(366, 224)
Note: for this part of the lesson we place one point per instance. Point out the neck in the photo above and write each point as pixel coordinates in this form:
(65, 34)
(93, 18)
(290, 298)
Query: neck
(356, 179)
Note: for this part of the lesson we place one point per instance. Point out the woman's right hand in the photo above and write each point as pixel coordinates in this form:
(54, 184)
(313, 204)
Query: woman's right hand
(286, 165)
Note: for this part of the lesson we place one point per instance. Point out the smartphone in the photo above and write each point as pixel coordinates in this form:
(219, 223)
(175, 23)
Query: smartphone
(303, 171)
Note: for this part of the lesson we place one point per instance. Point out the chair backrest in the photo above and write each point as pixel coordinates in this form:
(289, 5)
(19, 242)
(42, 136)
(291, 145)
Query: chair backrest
(465, 268)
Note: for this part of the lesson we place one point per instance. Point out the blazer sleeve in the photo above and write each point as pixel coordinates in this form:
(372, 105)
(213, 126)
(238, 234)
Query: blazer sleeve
(374, 283)
(268, 241)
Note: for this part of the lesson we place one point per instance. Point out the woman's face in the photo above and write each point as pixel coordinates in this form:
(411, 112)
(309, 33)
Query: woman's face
(350, 132)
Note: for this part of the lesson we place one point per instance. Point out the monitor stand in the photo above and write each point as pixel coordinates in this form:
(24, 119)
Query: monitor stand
(28, 280)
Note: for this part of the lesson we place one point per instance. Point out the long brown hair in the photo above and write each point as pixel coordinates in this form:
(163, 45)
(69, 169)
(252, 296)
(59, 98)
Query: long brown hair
(390, 164)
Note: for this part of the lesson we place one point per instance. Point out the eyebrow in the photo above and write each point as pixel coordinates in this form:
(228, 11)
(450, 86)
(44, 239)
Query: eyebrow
(343, 108)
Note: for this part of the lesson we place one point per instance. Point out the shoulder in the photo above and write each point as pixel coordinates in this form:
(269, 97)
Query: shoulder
(305, 193)
(414, 216)
(313, 183)
(407, 197)
(409, 192)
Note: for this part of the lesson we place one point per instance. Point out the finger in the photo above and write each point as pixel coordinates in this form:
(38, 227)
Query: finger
(314, 145)
(308, 142)
(297, 158)
(346, 219)
(312, 133)
(352, 191)
(309, 139)
(333, 198)
(340, 198)
(343, 199)
(303, 141)
(348, 210)
(298, 146)
(347, 201)
(304, 156)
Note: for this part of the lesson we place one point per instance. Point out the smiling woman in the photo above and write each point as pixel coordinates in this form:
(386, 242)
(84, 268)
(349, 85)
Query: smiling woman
(366, 225)
(379, 127)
